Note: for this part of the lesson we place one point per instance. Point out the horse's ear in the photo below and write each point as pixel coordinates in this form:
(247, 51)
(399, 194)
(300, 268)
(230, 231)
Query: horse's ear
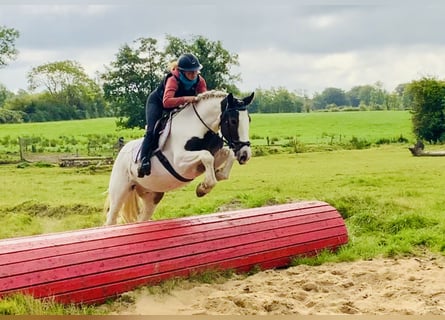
(248, 100)
(230, 99)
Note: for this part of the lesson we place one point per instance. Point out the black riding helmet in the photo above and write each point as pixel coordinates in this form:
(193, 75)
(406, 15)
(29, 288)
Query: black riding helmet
(189, 62)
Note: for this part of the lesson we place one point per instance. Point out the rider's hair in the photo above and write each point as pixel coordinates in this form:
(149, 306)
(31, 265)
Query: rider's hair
(173, 65)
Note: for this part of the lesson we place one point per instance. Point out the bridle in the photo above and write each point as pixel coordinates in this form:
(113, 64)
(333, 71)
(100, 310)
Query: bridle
(229, 125)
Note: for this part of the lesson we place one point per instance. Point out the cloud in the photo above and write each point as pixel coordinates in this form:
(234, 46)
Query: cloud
(301, 45)
(310, 73)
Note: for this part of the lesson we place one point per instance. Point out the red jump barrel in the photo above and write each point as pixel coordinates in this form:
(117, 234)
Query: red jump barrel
(92, 265)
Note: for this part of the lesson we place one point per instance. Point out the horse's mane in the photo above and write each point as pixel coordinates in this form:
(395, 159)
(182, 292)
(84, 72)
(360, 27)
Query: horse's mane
(211, 94)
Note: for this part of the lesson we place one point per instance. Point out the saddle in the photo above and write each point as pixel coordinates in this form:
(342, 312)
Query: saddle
(161, 132)
(163, 127)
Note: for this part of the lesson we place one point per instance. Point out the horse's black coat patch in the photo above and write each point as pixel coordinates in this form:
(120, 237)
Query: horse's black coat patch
(211, 142)
(158, 197)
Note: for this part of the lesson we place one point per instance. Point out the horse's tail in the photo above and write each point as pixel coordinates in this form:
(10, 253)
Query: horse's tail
(123, 199)
(131, 208)
(107, 203)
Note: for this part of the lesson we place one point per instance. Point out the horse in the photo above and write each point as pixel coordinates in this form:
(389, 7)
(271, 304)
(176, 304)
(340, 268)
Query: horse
(190, 145)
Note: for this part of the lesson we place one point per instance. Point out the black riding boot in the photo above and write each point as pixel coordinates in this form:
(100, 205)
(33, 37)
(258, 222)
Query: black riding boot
(145, 167)
(146, 154)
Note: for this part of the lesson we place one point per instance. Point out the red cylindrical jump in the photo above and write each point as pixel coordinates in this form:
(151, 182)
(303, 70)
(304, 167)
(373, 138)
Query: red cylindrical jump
(92, 265)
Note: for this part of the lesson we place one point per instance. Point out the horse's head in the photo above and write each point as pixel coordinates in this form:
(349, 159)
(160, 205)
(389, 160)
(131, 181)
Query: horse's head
(235, 123)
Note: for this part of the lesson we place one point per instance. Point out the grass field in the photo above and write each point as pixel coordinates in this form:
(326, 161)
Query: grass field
(393, 203)
(388, 198)
(309, 127)
(331, 127)
(41, 198)
(299, 132)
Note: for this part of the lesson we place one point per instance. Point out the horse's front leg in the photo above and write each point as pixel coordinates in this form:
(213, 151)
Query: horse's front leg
(204, 162)
(224, 160)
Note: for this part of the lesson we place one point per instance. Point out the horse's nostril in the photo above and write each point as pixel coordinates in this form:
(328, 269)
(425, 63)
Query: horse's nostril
(242, 159)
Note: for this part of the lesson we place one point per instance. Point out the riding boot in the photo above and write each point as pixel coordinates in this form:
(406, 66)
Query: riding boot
(146, 154)
(145, 167)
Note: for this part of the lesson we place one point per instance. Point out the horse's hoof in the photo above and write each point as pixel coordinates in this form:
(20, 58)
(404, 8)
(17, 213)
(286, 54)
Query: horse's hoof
(200, 194)
(200, 191)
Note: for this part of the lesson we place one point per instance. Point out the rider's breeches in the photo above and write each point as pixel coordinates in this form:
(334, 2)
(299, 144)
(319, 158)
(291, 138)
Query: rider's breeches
(153, 112)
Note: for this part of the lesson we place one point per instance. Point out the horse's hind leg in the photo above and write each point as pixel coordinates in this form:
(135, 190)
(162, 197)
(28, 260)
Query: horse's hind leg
(117, 195)
(150, 200)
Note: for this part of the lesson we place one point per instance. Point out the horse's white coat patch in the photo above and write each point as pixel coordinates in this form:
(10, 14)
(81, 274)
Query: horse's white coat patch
(125, 188)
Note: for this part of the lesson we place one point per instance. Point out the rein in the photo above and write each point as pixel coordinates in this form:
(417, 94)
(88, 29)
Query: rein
(202, 121)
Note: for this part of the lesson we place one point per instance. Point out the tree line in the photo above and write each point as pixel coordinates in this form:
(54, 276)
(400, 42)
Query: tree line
(66, 92)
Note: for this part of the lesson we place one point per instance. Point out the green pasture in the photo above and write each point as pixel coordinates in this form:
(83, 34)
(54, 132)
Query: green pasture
(393, 203)
(309, 127)
(333, 127)
(270, 133)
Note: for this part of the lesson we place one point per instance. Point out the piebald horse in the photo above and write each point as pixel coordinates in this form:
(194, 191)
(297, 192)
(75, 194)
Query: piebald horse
(190, 146)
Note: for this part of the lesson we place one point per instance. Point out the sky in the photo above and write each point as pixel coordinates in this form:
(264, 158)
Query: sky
(302, 45)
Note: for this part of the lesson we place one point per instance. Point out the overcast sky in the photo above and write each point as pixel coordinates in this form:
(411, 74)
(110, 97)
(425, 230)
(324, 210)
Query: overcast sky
(302, 45)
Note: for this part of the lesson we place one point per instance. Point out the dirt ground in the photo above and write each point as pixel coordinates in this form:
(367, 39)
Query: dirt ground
(409, 286)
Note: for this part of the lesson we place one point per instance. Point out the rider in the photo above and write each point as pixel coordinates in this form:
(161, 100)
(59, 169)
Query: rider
(180, 86)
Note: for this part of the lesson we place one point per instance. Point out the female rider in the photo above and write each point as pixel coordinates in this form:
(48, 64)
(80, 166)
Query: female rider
(180, 86)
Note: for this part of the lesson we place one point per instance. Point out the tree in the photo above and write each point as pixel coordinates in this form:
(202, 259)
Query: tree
(428, 109)
(6, 115)
(373, 97)
(354, 96)
(7, 47)
(378, 97)
(138, 70)
(216, 60)
(405, 99)
(10, 116)
(364, 94)
(130, 78)
(276, 101)
(68, 87)
(393, 101)
(22, 102)
(330, 96)
(4, 94)
(57, 76)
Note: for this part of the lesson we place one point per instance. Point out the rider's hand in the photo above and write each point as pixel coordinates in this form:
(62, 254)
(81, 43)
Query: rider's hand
(191, 99)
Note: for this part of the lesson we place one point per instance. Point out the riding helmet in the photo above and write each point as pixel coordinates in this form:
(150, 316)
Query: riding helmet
(189, 62)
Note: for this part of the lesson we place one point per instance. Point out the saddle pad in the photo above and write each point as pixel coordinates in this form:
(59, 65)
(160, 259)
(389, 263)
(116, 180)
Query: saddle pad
(163, 135)
(165, 132)
(137, 149)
